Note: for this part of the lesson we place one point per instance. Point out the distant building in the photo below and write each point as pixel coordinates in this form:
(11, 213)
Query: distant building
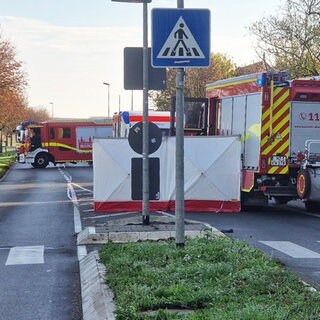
(253, 68)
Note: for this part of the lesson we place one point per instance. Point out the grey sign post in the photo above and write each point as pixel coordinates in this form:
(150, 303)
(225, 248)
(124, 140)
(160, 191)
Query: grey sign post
(145, 138)
(179, 209)
(180, 39)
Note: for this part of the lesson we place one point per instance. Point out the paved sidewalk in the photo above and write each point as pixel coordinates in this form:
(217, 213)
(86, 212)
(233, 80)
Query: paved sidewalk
(97, 298)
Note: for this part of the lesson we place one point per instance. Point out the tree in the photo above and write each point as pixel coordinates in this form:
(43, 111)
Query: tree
(12, 77)
(291, 40)
(13, 112)
(12, 84)
(37, 114)
(195, 80)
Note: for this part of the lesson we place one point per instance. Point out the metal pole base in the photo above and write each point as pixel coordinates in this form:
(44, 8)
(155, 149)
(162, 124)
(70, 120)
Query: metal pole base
(146, 220)
(180, 245)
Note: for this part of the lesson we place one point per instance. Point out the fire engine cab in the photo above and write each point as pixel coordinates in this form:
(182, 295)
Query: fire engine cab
(279, 123)
(59, 140)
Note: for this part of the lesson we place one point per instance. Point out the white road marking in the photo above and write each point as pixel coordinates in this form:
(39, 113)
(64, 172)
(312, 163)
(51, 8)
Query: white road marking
(82, 188)
(83, 204)
(88, 210)
(76, 212)
(291, 249)
(81, 250)
(25, 255)
(73, 197)
(310, 214)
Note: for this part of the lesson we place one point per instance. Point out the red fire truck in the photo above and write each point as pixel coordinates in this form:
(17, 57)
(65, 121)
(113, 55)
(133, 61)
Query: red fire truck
(279, 123)
(59, 140)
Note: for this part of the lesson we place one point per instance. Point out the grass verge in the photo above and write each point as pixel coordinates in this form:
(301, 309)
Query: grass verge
(6, 161)
(210, 278)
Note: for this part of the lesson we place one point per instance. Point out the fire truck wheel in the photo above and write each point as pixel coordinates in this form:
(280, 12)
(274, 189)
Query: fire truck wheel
(312, 206)
(41, 161)
(303, 184)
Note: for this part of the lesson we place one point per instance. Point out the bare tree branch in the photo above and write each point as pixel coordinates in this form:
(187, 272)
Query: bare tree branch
(291, 40)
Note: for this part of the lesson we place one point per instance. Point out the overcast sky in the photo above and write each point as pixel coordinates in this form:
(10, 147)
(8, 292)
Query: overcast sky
(70, 47)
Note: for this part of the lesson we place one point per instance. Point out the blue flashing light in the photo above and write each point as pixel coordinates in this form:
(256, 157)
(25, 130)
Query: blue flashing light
(262, 80)
(126, 117)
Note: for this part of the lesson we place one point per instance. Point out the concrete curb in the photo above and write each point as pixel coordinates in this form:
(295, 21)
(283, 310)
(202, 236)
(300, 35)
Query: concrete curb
(89, 236)
(97, 298)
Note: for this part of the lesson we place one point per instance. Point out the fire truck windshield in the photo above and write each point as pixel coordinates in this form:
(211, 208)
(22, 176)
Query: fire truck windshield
(21, 134)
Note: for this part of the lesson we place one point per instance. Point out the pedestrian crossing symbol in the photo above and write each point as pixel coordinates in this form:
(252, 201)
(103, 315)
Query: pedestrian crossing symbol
(180, 38)
(181, 43)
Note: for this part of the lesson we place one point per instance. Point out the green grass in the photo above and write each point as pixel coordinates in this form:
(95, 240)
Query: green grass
(6, 161)
(213, 278)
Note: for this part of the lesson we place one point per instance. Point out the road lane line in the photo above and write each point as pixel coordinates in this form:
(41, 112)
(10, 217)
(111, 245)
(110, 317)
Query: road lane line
(76, 212)
(25, 255)
(291, 249)
(81, 250)
(82, 188)
(73, 197)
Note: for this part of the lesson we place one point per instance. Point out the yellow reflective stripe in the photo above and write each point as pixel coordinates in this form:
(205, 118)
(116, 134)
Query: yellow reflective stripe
(265, 128)
(280, 144)
(66, 146)
(280, 99)
(232, 83)
(284, 170)
(280, 125)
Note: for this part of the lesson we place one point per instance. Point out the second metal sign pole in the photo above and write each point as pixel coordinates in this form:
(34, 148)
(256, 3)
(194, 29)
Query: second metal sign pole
(179, 208)
(145, 133)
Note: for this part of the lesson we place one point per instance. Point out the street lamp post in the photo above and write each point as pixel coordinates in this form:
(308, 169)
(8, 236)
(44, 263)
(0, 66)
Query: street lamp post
(108, 84)
(51, 103)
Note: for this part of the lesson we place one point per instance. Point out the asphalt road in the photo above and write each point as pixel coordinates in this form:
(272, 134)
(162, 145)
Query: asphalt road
(39, 270)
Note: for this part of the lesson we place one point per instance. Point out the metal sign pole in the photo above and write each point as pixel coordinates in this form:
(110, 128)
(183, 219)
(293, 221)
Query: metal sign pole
(145, 124)
(179, 208)
(145, 133)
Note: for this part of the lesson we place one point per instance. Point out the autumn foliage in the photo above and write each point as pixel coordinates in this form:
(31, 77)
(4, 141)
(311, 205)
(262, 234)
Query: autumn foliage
(12, 85)
(195, 80)
(13, 101)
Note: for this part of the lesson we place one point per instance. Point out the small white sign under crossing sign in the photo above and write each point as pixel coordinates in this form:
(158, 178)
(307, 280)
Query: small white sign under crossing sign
(180, 38)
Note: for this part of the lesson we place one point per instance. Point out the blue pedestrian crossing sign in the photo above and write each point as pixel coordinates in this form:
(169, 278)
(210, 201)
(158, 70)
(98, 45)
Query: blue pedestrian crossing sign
(180, 38)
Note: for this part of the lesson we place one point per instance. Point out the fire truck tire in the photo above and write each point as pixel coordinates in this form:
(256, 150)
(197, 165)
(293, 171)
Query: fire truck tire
(41, 161)
(312, 206)
(303, 184)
